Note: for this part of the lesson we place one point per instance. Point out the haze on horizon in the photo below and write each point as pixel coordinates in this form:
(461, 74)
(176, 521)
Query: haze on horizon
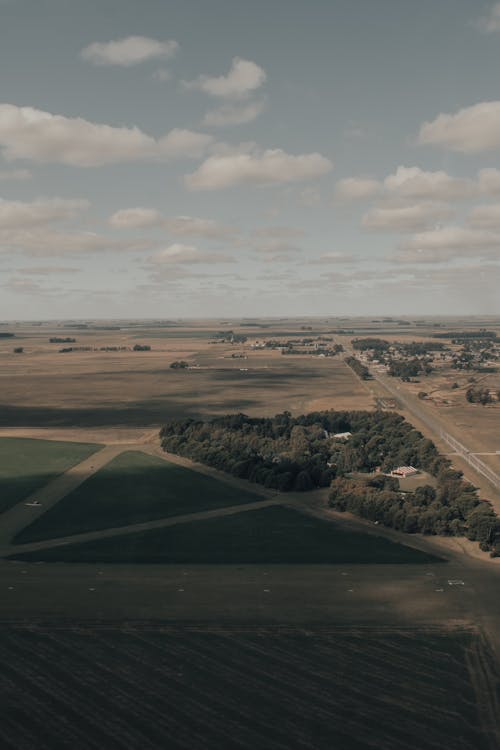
(229, 158)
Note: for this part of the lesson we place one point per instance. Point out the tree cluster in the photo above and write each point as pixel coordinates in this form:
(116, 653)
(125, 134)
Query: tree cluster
(359, 368)
(299, 453)
(452, 508)
(480, 395)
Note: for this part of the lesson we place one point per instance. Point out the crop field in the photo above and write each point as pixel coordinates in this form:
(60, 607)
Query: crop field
(26, 465)
(200, 688)
(270, 535)
(133, 488)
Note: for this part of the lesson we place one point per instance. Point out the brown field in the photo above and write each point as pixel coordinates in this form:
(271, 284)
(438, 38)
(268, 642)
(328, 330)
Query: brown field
(125, 687)
(43, 387)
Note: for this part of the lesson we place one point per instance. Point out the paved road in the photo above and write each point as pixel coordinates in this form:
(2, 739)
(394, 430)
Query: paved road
(413, 405)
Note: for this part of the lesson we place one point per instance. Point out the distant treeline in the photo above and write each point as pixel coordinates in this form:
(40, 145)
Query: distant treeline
(411, 348)
(5, 335)
(56, 340)
(461, 335)
(300, 453)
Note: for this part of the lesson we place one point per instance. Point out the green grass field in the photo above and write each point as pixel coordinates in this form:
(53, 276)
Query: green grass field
(133, 488)
(26, 465)
(270, 535)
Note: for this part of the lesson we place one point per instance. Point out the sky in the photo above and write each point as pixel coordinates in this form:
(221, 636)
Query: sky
(217, 158)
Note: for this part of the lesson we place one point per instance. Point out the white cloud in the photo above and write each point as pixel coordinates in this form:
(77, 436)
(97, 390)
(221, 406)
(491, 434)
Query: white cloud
(276, 247)
(140, 218)
(233, 114)
(333, 257)
(135, 218)
(470, 130)
(489, 181)
(197, 227)
(357, 188)
(256, 167)
(406, 218)
(28, 133)
(178, 254)
(448, 242)
(23, 215)
(130, 51)
(42, 241)
(243, 78)
(486, 217)
(413, 182)
(278, 232)
(16, 175)
(491, 22)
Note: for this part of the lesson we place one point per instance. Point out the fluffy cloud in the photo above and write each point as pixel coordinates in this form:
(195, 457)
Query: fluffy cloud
(438, 245)
(489, 181)
(357, 188)
(256, 168)
(136, 218)
(470, 130)
(410, 183)
(233, 114)
(130, 51)
(28, 133)
(42, 241)
(140, 218)
(178, 254)
(23, 215)
(243, 78)
(406, 218)
(413, 182)
(486, 217)
(491, 22)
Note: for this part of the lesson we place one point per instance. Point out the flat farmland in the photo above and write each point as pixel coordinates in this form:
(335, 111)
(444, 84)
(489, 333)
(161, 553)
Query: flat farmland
(134, 487)
(272, 535)
(43, 387)
(26, 465)
(202, 688)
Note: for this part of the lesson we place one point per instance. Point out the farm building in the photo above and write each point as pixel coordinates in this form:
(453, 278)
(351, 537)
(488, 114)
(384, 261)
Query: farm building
(404, 471)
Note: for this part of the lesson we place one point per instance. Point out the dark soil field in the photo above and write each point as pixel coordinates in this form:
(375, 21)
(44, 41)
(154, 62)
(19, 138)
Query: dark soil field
(271, 535)
(85, 687)
(133, 488)
(26, 465)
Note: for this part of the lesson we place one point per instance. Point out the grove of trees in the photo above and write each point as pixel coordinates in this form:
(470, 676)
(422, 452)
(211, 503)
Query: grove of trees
(301, 453)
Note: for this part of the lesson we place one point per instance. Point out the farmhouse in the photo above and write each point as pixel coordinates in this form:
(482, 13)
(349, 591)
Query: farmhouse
(342, 435)
(404, 471)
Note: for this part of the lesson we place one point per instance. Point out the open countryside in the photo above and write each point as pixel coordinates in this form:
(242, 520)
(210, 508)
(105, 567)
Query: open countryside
(157, 522)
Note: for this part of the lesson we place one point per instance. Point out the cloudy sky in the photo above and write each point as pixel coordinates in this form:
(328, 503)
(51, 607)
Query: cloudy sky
(235, 158)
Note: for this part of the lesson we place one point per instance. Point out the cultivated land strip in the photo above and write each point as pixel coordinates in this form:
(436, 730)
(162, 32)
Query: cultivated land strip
(15, 519)
(92, 536)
